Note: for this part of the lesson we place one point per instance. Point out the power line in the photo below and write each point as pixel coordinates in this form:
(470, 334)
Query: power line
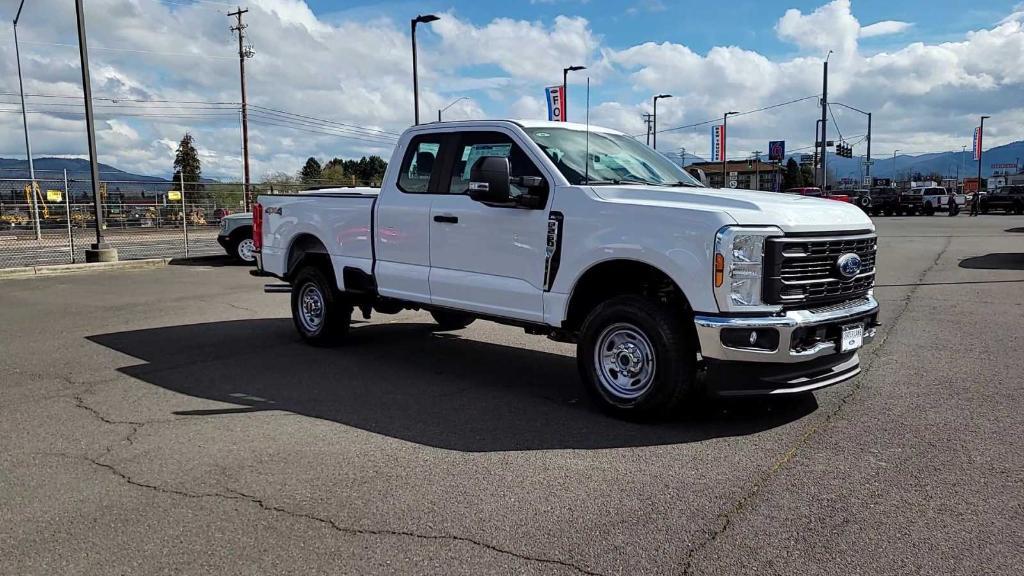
(308, 129)
(325, 121)
(836, 124)
(132, 50)
(744, 113)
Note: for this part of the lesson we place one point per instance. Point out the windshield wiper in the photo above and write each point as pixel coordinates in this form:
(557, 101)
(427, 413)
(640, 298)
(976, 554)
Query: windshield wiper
(681, 184)
(624, 181)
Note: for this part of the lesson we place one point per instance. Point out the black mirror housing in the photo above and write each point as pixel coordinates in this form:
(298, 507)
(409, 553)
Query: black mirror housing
(489, 180)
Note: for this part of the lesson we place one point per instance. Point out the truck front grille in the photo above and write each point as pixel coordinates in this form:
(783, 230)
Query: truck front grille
(802, 271)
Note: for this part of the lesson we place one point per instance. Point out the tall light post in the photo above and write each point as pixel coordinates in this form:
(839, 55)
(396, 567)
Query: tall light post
(963, 165)
(824, 123)
(981, 140)
(24, 120)
(654, 119)
(565, 89)
(452, 103)
(894, 167)
(421, 19)
(725, 123)
(100, 251)
(867, 163)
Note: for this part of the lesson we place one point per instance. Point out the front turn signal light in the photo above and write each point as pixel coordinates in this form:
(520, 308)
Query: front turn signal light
(719, 270)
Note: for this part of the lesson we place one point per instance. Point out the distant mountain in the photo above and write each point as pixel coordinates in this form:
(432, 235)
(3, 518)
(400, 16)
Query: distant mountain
(78, 169)
(945, 163)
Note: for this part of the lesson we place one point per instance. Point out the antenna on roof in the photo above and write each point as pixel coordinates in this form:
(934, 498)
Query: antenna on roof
(586, 160)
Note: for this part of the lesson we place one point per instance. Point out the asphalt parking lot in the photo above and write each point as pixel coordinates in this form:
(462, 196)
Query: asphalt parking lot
(170, 422)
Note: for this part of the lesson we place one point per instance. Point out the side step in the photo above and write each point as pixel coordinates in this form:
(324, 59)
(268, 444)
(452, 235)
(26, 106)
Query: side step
(277, 288)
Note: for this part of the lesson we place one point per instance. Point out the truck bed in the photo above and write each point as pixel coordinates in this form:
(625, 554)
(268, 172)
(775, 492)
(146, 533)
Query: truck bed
(341, 217)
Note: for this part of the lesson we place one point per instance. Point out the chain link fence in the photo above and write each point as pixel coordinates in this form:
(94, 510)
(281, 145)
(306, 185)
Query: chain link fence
(54, 222)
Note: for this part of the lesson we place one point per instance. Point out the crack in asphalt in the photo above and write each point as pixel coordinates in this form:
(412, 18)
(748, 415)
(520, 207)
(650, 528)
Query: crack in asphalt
(262, 504)
(805, 438)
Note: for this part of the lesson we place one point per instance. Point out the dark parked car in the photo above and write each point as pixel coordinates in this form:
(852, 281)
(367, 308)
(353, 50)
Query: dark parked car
(1008, 199)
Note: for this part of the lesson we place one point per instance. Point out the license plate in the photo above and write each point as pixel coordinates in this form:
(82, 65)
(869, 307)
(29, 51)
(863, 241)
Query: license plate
(852, 338)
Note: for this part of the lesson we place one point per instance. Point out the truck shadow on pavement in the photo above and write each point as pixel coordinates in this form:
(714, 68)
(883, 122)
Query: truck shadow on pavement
(996, 261)
(409, 382)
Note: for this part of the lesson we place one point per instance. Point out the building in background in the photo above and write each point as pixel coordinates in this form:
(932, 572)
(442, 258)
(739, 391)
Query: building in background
(744, 173)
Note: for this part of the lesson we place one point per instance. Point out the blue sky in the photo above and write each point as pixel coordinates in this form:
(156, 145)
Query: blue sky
(926, 69)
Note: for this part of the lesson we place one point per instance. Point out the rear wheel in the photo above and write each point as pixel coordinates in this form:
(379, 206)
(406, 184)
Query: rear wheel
(451, 320)
(319, 311)
(636, 358)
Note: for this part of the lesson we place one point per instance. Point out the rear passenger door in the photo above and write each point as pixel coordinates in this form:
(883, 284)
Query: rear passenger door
(402, 228)
(484, 258)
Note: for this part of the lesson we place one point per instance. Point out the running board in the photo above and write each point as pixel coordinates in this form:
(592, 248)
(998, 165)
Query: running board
(277, 288)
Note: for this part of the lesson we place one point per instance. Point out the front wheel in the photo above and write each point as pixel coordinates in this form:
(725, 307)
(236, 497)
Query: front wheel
(636, 358)
(319, 312)
(244, 249)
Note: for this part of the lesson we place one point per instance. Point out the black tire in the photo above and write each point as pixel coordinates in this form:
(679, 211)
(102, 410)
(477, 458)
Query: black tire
(635, 326)
(326, 325)
(928, 210)
(865, 203)
(451, 320)
(241, 247)
(1018, 209)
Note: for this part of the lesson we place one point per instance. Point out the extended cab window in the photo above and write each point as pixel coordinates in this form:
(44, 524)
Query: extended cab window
(475, 145)
(418, 164)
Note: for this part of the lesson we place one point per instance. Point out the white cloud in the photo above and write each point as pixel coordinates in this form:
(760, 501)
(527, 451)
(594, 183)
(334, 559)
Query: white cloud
(924, 96)
(883, 28)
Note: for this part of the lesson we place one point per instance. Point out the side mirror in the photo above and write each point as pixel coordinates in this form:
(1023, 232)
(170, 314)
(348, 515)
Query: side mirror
(489, 180)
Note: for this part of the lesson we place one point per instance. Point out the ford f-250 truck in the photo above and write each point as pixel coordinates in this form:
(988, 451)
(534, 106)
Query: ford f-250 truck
(584, 235)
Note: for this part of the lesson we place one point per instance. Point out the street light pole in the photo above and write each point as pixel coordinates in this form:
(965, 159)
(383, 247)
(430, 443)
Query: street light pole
(100, 251)
(24, 120)
(654, 119)
(894, 167)
(423, 18)
(725, 123)
(453, 103)
(565, 89)
(824, 124)
(981, 140)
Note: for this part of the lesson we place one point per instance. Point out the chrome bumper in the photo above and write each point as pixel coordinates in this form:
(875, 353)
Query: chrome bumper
(709, 332)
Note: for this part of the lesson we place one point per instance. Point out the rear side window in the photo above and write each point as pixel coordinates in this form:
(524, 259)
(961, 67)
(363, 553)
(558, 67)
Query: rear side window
(419, 164)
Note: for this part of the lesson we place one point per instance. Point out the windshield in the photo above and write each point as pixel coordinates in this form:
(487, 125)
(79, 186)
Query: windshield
(613, 159)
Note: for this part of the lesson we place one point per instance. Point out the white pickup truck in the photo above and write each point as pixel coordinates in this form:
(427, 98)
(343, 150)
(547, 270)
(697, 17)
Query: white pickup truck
(586, 236)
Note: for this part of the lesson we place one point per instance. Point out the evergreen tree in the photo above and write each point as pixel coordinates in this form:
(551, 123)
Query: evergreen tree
(792, 178)
(311, 172)
(187, 165)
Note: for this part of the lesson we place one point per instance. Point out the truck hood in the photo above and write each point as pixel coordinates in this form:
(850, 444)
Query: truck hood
(238, 216)
(790, 212)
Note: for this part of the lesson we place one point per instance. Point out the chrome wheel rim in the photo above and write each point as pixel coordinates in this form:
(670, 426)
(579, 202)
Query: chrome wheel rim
(311, 307)
(245, 249)
(625, 361)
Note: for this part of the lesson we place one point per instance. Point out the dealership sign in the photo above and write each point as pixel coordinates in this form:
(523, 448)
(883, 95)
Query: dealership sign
(555, 96)
(1005, 165)
(977, 143)
(718, 143)
(776, 150)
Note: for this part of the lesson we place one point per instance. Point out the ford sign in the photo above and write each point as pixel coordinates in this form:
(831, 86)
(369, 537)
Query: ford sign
(848, 265)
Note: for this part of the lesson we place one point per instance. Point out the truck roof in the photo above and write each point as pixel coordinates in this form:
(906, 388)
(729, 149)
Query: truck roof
(520, 123)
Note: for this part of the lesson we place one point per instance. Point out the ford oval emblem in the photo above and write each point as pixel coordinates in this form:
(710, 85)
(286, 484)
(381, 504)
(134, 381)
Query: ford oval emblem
(849, 265)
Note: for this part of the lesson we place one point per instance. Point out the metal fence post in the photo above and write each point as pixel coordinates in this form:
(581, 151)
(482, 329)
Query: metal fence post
(67, 215)
(184, 211)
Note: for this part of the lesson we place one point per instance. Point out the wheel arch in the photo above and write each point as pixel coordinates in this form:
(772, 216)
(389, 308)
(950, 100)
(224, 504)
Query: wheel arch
(616, 277)
(306, 248)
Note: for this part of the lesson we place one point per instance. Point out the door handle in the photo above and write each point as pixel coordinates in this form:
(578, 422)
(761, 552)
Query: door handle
(446, 219)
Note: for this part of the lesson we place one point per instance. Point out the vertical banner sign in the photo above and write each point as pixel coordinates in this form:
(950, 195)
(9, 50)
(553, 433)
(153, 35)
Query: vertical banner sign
(555, 96)
(776, 150)
(717, 142)
(977, 143)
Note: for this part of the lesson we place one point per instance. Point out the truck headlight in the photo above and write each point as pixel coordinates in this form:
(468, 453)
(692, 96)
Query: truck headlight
(739, 268)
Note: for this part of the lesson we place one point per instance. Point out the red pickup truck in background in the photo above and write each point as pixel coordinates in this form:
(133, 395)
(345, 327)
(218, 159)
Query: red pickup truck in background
(817, 193)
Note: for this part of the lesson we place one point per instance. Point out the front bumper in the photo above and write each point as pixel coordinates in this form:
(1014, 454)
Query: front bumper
(807, 354)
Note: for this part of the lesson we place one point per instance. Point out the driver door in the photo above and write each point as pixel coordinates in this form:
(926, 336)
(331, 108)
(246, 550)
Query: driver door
(487, 259)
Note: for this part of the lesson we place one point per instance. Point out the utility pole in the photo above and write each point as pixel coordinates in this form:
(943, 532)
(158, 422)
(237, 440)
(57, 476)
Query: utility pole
(100, 251)
(24, 120)
(243, 53)
(824, 124)
(757, 169)
(647, 120)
